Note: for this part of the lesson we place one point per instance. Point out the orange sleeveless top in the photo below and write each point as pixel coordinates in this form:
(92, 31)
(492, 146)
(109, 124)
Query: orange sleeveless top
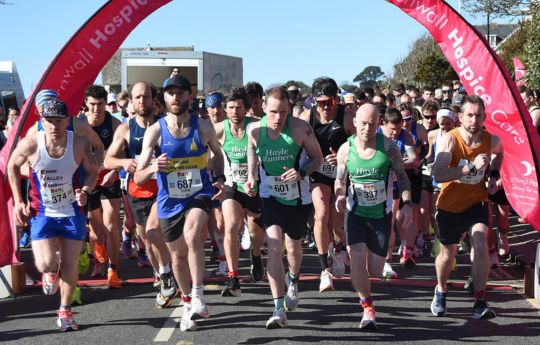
(459, 195)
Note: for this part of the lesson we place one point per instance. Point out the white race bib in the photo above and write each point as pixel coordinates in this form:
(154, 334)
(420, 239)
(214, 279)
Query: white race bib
(185, 183)
(370, 194)
(475, 178)
(58, 198)
(327, 170)
(239, 172)
(287, 190)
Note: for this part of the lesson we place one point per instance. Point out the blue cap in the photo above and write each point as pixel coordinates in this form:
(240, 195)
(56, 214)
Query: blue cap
(214, 100)
(45, 95)
(177, 81)
(54, 108)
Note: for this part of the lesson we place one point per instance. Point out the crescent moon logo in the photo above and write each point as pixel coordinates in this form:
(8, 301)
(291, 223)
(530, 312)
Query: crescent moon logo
(528, 167)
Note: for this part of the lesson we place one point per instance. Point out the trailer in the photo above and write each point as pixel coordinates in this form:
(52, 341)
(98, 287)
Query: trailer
(11, 91)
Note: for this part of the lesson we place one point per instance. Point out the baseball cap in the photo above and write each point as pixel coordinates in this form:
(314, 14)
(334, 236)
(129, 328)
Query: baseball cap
(214, 100)
(111, 98)
(444, 112)
(309, 102)
(44, 95)
(178, 81)
(54, 108)
(349, 98)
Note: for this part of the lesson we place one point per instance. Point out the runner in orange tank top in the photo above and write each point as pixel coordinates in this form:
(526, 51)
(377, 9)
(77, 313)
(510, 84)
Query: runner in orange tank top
(466, 154)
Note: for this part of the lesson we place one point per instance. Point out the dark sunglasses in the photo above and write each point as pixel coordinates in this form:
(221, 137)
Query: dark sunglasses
(433, 117)
(328, 103)
(445, 91)
(408, 119)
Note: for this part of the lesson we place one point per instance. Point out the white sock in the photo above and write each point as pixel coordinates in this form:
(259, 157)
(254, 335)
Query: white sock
(164, 269)
(197, 291)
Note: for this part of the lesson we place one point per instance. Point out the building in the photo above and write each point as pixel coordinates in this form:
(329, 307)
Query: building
(497, 33)
(206, 71)
(11, 91)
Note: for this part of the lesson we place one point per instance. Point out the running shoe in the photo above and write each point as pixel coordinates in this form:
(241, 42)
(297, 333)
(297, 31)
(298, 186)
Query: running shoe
(127, 248)
(407, 259)
(167, 285)
(368, 319)
(24, 241)
(157, 281)
(100, 253)
(388, 272)
(345, 257)
(504, 246)
(336, 262)
(291, 297)
(199, 309)
(142, 259)
(186, 324)
(232, 288)
(469, 285)
(162, 301)
(482, 311)
(278, 319)
(427, 248)
(98, 270)
(438, 305)
(257, 267)
(464, 245)
(66, 322)
(50, 282)
(112, 279)
(222, 269)
(326, 282)
(245, 243)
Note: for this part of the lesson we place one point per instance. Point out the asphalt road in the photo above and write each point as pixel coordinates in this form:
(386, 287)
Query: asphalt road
(128, 315)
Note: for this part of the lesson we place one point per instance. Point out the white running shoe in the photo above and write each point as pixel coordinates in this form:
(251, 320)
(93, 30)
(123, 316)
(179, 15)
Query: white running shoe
(198, 308)
(186, 324)
(291, 297)
(326, 282)
(388, 272)
(338, 266)
(245, 243)
(278, 320)
(222, 269)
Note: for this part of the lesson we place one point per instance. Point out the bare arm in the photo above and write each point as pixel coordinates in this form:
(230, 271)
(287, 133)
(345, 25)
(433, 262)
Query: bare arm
(26, 149)
(83, 129)
(535, 115)
(144, 169)
(209, 138)
(340, 185)
(115, 158)
(88, 162)
(396, 163)
(252, 131)
(310, 143)
(441, 169)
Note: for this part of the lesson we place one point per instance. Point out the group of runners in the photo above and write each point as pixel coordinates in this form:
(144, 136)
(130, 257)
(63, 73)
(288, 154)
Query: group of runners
(350, 169)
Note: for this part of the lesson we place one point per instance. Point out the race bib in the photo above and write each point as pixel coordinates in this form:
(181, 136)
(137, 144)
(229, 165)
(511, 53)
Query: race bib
(287, 190)
(327, 170)
(58, 198)
(370, 194)
(475, 178)
(185, 183)
(427, 170)
(239, 172)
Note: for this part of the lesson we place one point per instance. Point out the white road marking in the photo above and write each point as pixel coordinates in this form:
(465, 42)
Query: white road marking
(170, 325)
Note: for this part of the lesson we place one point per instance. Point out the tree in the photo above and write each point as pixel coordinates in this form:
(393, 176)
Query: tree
(349, 87)
(433, 70)
(515, 46)
(533, 50)
(369, 76)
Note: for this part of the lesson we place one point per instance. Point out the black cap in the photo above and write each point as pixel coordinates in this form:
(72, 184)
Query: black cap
(177, 81)
(54, 108)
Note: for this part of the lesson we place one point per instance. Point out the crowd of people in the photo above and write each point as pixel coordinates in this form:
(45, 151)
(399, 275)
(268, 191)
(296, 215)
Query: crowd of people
(351, 172)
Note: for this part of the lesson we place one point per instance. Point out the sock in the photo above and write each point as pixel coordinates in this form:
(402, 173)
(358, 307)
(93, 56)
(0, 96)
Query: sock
(480, 294)
(279, 303)
(186, 299)
(323, 258)
(65, 307)
(113, 267)
(234, 274)
(164, 269)
(293, 278)
(197, 291)
(366, 302)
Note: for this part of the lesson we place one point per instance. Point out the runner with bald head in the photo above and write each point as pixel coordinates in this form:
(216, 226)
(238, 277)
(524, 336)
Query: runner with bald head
(367, 158)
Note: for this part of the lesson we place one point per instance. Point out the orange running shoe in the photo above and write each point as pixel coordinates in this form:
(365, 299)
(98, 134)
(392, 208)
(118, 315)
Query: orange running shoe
(112, 279)
(100, 253)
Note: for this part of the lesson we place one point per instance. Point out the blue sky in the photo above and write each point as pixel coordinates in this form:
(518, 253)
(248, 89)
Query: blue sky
(278, 40)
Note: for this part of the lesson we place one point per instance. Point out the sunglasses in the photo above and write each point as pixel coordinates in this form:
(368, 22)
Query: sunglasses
(408, 119)
(327, 103)
(433, 117)
(445, 91)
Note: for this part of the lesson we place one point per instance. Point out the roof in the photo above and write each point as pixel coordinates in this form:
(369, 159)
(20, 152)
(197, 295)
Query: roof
(501, 30)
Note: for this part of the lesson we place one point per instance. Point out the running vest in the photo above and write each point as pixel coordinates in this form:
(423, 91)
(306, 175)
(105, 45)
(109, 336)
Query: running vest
(459, 195)
(148, 189)
(370, 191)
(105, 133)
(187, 175)
(235, 156)
(274, 156)
(53, 181)
(329, 135)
